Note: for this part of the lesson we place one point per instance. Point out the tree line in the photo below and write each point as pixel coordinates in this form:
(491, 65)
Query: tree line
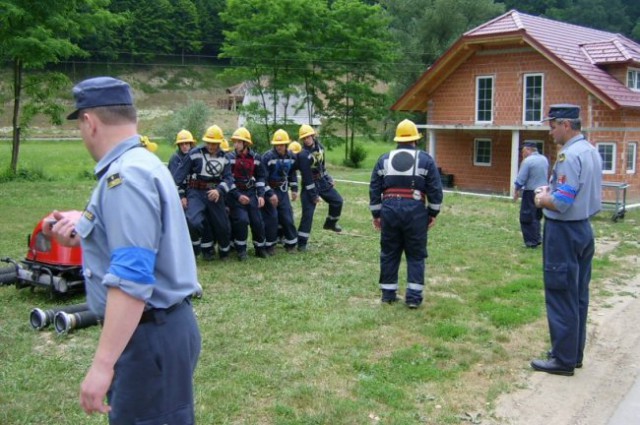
(335, 54)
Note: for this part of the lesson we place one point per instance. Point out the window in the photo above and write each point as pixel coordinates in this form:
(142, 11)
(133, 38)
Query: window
(533, 89)
(539, 145)
(608, 154)
(484, 99)
(632, 157)
(633, 79)
(482, 152)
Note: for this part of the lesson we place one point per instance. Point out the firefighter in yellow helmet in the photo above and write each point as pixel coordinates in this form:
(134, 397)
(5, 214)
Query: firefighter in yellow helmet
(281, 166)
(210, 181)
(295, 147)
(248, 196)
(316, 184)
(405, 194)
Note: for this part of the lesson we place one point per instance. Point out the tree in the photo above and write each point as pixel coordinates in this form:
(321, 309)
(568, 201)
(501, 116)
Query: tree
(34, 34)
(357, 64)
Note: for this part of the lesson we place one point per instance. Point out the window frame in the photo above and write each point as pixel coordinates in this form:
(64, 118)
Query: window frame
(632, 148)
(491, 101)
(613, 145)
(636, 79)
(476, 141)
(525, 86)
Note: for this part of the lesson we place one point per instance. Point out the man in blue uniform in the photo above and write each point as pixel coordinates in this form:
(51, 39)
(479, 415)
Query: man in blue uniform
(401, 181)
(571, 199)
(207, 188)
(316, 184)
(281, 166)
(534, 173)
(134, 239)
(247, 196)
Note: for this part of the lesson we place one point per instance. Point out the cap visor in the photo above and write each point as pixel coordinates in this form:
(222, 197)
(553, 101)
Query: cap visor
(74, 115)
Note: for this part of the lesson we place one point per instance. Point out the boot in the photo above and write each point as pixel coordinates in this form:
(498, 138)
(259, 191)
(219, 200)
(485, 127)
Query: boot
(331, 224)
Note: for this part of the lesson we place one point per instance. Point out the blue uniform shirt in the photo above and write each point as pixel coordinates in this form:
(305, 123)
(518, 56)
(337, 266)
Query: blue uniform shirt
(533, 172)
(576, 181)
(134, 235)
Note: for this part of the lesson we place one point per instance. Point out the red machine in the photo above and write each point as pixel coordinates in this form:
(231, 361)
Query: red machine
(48, 264)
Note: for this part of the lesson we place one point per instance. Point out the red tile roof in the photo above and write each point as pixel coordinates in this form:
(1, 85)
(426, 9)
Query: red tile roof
(581, 52)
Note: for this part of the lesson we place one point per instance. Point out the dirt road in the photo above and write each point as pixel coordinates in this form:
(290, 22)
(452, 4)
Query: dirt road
(611, 368)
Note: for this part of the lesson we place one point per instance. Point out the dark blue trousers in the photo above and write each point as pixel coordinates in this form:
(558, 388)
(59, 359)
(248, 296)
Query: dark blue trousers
(279, 218)
(568, 250)
(243, 217)
(201, 213)
(153, 379)
(530, 217)
(330, 196)
(404, 230)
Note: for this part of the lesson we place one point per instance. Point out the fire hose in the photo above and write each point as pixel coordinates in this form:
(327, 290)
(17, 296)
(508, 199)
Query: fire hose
(65, 319)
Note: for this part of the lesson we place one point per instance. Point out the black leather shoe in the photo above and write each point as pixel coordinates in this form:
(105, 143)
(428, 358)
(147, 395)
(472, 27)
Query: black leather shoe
(552, 366)
(389, 300)
(412, 305)
(550, 356)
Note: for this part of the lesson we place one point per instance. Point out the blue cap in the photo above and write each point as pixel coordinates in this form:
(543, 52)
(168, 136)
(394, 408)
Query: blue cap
(528, 144)
(563, 112)
(100, 91)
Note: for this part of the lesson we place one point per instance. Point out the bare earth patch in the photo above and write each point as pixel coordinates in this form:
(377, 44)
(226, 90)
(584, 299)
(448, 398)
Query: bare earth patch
(611, 365)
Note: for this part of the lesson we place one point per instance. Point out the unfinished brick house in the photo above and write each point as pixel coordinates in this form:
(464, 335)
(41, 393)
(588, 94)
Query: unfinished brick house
(488, 92)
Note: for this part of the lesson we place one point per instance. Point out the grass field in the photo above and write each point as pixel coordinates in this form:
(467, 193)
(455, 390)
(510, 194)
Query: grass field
(303, 338)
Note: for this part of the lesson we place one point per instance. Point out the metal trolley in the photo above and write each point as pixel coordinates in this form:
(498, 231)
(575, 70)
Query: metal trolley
(620, 204)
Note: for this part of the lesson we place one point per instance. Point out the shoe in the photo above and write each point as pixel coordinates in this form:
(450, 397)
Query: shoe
(551, 356)
(290, 248)
(332, 225)
(302, 248)
(387, 300)
(242, 256)
(412, 305)
(271, 251)
(261, 253)
(552, 366)
(207, 256)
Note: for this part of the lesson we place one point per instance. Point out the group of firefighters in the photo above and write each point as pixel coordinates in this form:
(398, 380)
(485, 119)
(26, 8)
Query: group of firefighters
(228, 188)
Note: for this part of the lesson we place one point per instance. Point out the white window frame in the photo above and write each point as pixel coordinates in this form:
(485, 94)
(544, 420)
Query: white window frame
(613, 146)
(475, 152)
(478, 79)
(632, 157)
(524, 98)
(539, 145)
(633, 79)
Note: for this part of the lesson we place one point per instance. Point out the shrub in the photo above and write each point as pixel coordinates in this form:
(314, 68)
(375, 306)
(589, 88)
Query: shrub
(193, 117)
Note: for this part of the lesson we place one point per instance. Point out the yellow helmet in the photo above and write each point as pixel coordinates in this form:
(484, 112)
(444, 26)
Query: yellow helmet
(151, 146)
(295, 147)
(213, 135)
(242, 134)
(305, 131)
(184, 136)
(280, 137)
(406, 132)
(224, 145)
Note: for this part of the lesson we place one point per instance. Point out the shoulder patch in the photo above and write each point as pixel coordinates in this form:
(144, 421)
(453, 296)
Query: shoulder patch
(88, 215)
(561, 157)
(114, 180)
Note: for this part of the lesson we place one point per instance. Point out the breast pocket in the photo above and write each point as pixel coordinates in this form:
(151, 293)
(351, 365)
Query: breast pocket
(555, 276)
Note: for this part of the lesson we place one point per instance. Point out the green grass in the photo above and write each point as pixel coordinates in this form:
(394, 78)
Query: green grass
(303, 339)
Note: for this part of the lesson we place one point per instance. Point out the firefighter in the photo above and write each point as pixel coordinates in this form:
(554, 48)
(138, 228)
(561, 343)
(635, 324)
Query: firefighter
(295, 147)
(281, 165)
(248, 195)
(185, 142)
(401, 181)
(210, 181)
(316, 184)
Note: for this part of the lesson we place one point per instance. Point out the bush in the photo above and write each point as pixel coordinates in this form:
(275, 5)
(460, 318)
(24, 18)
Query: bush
(193, 117)
(357, 155)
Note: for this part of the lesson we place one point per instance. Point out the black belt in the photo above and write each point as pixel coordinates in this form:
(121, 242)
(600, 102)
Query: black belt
(154, 314)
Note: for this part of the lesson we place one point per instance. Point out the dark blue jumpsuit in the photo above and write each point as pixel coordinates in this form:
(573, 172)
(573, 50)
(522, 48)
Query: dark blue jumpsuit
(400, 182)
(281, 176)
(207, 172)
(316, 182)
(206, 241)
(249, 180)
